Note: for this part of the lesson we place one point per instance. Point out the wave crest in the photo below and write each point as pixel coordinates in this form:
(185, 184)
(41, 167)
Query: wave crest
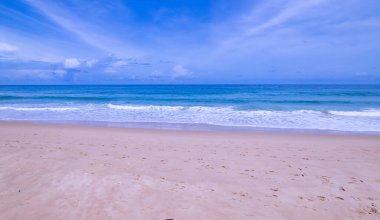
(147, 107)
(364, 113)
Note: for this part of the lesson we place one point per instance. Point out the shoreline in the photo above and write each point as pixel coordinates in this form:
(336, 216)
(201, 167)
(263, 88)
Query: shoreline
(194, 127)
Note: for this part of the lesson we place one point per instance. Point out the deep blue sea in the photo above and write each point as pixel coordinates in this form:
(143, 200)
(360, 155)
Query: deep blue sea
(345, 108)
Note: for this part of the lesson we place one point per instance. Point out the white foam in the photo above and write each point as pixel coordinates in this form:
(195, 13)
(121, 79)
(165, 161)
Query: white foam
(147, 107)
(365, 120)
(230, 110)
(364, 113)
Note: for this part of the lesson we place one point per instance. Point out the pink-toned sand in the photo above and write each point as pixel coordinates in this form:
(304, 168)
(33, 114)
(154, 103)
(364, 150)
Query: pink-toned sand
(83, 172)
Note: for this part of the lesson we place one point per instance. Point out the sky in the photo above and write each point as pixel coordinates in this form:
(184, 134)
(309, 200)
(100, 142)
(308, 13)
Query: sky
(189, 41)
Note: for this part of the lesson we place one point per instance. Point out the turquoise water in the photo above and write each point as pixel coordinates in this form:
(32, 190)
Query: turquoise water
(354, 108)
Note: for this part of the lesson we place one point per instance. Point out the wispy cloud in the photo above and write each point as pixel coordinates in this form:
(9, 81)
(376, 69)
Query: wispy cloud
(91, 63)
(251, 25)
(5, 47)
(94, 33)
(291, 10)
(71, 63)
(180, 71)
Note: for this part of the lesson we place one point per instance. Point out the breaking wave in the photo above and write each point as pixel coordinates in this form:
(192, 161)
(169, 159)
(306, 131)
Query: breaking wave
(364, 120)
(364, 113)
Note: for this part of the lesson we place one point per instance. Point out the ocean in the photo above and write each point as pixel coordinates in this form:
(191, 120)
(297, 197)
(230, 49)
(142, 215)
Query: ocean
(325, 108)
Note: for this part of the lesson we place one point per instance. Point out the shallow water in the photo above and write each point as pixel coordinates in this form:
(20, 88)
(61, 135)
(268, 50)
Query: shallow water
(351, 108)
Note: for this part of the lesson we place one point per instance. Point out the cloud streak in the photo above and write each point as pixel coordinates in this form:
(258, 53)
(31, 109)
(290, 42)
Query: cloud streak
(252, 26)
(93, 34)
(180, 71)
(71, 63)
(4, 47)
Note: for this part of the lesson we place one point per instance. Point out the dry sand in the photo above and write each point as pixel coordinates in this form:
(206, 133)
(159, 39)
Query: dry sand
(83, 172)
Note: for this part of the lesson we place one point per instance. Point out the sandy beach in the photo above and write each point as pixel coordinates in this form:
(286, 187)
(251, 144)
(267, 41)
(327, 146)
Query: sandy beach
(88, 172)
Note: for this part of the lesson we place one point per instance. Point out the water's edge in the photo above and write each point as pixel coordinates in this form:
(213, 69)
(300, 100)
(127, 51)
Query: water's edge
(196, 127)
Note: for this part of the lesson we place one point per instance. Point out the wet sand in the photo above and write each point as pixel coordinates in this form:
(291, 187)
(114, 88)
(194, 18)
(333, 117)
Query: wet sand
(88, 172)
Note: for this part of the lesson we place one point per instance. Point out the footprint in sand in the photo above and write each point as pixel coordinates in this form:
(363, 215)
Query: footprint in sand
(355, 180)
(243, 194)
(325, 179)
(274, 189)
(371, 210)
(270, 172)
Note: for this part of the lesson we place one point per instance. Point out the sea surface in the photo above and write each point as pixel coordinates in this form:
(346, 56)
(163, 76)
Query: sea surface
(340, 108)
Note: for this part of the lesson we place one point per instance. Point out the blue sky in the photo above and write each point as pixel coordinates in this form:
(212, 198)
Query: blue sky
(197, 41)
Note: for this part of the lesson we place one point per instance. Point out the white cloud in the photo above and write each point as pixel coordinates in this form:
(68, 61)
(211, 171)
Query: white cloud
(90, 63)
(120, 63)
(180, 71)
(115, 67)
(71, 63)
(7, 47)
